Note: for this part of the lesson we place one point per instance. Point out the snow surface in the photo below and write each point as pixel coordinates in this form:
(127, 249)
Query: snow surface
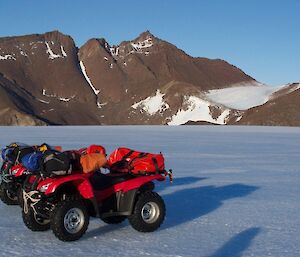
(242, 97)
(152, 104)
(88, 79)
(235, 193)
(198, 110)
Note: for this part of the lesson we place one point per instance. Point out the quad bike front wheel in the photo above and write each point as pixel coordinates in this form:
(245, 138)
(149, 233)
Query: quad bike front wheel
(34, 222)
(69, 220)
(149, 212)
(7, 197)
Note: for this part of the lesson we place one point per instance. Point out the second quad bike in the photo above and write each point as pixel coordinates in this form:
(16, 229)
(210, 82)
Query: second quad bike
(15, 178)
(13, 173)
(65, 204)
(12, 179)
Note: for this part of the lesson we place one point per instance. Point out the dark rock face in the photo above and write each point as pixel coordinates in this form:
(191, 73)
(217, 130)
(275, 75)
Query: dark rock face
(45, 79)
(191, 123)
(44, 73)
(12, 106)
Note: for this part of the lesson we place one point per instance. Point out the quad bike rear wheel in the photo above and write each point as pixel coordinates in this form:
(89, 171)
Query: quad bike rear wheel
(7, 197)
(69, 220)
(149, 212)
(34, 222)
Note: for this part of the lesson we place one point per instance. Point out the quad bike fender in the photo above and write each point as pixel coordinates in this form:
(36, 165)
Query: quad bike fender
(19, 170)
(79, 181)
(125, 194)
(140, 181)
(127, 186)
(124, 204)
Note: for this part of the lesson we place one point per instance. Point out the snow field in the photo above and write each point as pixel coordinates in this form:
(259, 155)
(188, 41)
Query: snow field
(242, 97)
(235, 193)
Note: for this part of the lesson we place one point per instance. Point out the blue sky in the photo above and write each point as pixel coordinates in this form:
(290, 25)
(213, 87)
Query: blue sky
(260, 37)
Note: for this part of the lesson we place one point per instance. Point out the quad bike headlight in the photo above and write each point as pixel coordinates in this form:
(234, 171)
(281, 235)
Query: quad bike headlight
(14, 171)
(45, 187)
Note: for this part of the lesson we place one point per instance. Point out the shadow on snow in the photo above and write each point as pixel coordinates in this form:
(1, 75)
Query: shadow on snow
(236, 245)
(188, 204)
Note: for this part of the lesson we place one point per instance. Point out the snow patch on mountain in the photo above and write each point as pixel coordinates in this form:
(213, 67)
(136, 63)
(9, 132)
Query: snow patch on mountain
(222, 119)
(152, 104)
(114, 51)
(23, 53)
(88, 79)
(100, 105)
(42, 101)
(197, 110)
(52, 55)
(60, 98)
(64, 99)
(63, 51)
(48, 95)
(138, 46)
(242, 97)
(7, 57)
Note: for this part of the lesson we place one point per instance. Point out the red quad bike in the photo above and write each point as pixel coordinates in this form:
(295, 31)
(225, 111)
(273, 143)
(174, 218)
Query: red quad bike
(66, 203)
(12, 179)
(14, 175)
(8, 189)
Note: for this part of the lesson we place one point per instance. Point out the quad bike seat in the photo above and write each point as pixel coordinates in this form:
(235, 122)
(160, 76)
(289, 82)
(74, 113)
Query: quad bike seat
(101, 181)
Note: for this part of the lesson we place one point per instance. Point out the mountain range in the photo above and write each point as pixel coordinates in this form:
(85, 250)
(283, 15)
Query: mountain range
(46, 80)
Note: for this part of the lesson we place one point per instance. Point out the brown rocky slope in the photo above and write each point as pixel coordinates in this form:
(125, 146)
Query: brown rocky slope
(282, 110)
(46, 79)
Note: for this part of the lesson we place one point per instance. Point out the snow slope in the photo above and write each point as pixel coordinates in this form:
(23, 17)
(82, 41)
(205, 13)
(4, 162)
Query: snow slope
(242, 97)
(236, 193)
(198, 109)
(152, 104)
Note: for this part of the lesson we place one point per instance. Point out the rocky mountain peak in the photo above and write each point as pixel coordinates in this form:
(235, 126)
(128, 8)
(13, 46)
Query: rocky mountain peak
(46, 79)
(145, 37)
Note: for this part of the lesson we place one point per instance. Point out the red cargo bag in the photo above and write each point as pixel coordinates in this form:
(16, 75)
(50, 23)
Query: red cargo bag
(135, 162)
(93, 149)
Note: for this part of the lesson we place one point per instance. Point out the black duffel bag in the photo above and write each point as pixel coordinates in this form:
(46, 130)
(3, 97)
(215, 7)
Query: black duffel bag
(55, 163)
